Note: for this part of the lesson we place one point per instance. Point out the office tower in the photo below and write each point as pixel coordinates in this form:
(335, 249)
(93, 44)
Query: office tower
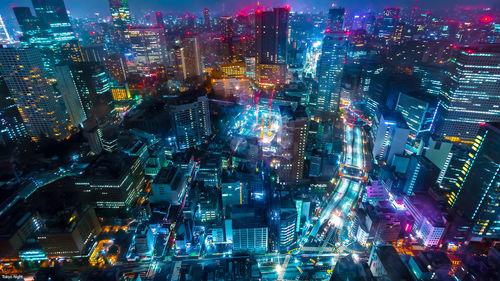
(271, 35)
(53, 15)
(388, 22)
(391, 137)
(191, 120)
(112, 180)
(70, 51)
(287, 227)
(300, 130)
(27, 22)
(429, 221)
(247, 230)
(36, 99)
(116, 65)
(422, 174)
(227, 33)
(159, 20)
(335, 20)
(69, 93)
(92, 85)
(4, 35)
(94, 53)
(12, 129)
(190, 57)
(419, 111)
(169, 186)
(470, 93)
(329, 71)
(120, 15)
(149, 47)
(206, 18)
(479, 191)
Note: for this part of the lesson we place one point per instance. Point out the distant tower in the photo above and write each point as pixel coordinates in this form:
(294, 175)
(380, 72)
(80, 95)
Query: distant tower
(206, 18)
(159, 19)
(120, 15)
(336, 19)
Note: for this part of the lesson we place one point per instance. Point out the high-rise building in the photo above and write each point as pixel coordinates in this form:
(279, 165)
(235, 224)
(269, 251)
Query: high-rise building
(149, 47)
(329, 71)
(36, 99)
(53, 15)
(227, 33)
(419, 111)
(479, 186)
(206, 18)
(300, 131)
(470, 93)
(391, 137)
(191, 120)
(120, 15)
(116, 65)
(335, 19)
(112, 180)
(190, 57)
(12, 129)
(271, 32)
(159, 20)
(70, 95)
(388, 22)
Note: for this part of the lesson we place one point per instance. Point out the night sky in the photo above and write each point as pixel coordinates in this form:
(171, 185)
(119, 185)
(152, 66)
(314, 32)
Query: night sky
(80, 8)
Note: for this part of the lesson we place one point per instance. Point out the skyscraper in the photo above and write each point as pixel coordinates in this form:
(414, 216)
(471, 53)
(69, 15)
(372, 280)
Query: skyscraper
(271, 32)
(470, 93)
(391, 137)
(419, 112)
(479, 191)
(34, 96)
(191, 57)
(159, 20)
(120, 15)
(69, 92)
(227, 33)
(206, 18)
(149, 47)
(191, 119)
(335, 19)
(329, 71)
(53, 15)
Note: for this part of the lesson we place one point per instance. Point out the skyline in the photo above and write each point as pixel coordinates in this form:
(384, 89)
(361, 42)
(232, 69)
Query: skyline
(78, 10)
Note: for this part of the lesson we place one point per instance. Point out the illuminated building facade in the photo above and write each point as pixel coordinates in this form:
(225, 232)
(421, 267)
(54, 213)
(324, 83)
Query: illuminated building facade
(479, 186)
(191, 117)
(120, 15)
(470, 94)
(271, 31)
(419, 113)
(336, 19)
(391, 137)
(116, 65)
(113, 180)
(149, 47)
(52, 14)
(233, 70)
(36, 99)
(69, 93)
(329, 71)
